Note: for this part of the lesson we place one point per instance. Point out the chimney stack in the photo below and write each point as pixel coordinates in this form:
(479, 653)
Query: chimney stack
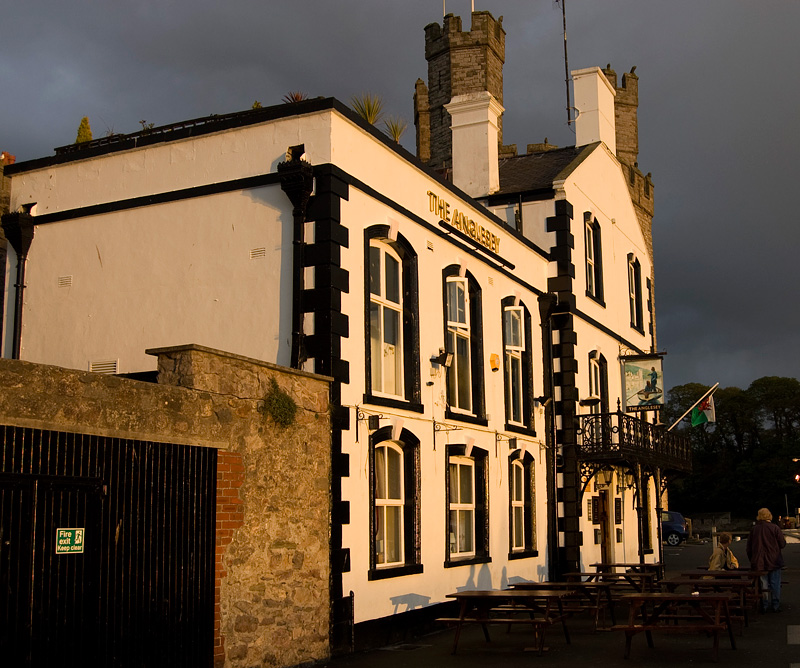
(475, 126)
(594, 100)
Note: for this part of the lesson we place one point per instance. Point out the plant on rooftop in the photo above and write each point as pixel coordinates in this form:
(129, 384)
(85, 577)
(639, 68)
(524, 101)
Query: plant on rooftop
(84, 131)
(294, 96)
(395, 127)
(368, 106)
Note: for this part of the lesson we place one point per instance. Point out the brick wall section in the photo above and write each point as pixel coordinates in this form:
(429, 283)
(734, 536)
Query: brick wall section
(458, 63)
(230, 516)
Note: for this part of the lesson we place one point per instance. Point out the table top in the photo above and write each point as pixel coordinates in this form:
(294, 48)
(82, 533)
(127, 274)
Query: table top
(602, 584)
(628, 564)
(673, 596)
(709, 582)
(508, 594)
(735, 573)
(619, 576)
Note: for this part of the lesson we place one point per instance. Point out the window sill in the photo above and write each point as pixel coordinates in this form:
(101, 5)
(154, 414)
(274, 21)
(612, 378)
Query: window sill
(523, 554)
(596, 299)
(637, 328)
(466, 561)
(465, 417)
(519, 429)
(393, 572)
(394, 403)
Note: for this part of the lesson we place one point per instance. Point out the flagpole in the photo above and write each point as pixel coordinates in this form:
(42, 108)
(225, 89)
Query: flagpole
(692, 406)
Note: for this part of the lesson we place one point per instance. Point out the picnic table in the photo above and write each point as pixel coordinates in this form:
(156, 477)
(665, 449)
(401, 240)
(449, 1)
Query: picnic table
(634, 566)
(636, 581)
(539, 609)
(671, 612)
(753, 596)
(592, 596)
(736, 588)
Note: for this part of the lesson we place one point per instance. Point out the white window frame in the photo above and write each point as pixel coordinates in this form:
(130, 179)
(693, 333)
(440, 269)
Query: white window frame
(383, 504)
(463, 511)
(459, 330)
(379, 385)
(595, 383)
(513, 363)
(518, 518)
(591, 285)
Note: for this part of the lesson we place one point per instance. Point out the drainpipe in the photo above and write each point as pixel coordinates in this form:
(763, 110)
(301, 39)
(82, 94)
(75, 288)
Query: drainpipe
(547, 304)
(297, 181)
(18, 228)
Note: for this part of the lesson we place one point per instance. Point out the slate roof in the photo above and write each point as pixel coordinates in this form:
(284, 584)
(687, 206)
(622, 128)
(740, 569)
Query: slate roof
(537, 171)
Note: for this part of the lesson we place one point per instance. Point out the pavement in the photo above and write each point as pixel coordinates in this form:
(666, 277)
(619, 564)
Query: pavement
(771, 640)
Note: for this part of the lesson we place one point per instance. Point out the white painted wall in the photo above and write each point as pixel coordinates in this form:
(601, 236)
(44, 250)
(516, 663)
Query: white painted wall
(181, 273)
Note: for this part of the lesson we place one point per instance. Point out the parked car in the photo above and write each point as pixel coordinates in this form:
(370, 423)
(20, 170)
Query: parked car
(674, 529)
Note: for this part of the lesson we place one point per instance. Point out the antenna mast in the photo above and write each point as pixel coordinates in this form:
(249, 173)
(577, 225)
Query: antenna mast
(566, 60)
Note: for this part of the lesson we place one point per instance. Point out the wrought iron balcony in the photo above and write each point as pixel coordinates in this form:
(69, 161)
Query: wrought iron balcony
(618, 438)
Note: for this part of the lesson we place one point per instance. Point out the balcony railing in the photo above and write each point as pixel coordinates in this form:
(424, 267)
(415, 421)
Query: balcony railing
(617, 438)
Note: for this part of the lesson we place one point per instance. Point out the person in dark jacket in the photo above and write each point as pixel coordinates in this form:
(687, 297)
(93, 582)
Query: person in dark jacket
(764, 547)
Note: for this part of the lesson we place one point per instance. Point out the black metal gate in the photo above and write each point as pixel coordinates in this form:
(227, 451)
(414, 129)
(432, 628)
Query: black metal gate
(106, 551)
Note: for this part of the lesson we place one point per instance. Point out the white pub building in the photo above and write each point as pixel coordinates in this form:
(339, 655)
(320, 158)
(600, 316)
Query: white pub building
(475, 307)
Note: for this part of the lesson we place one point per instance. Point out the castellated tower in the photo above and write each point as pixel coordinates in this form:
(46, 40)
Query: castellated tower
(626, 105)
(458, 63)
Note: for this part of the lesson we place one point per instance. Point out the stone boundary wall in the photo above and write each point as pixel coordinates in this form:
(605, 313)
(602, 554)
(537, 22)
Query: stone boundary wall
(273, 483)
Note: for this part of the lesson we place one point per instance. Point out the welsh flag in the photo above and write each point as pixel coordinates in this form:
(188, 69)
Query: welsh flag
(704, 412)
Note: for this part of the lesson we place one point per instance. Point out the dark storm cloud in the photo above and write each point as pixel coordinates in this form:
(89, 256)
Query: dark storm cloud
(719, 110)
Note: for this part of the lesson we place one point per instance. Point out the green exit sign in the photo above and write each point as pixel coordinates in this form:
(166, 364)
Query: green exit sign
(69, 541)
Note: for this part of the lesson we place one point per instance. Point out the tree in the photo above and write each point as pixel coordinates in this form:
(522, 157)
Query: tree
(744, 460)
(84, 131)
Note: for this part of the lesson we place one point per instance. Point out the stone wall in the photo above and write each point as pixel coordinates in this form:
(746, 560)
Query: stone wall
(273, 482)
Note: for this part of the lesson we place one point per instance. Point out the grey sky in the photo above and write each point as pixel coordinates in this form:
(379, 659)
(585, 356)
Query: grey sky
(719, 118)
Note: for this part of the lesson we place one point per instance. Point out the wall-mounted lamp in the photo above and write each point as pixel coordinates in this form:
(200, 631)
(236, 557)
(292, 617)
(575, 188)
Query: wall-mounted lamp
(590, 401)
(373, 422)
(543, 401)
(444, 358)
(494, 361)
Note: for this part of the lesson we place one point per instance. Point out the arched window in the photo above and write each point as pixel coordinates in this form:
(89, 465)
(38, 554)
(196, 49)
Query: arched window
(635, 292)
(517, 361)
(594, 257)
(394, 504)
(522, 506)
(385, 320)
(389, 504)
(391, 320)
(467, 505)
(464, 339)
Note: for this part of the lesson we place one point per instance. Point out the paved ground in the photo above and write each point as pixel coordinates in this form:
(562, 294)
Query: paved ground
(770, 640)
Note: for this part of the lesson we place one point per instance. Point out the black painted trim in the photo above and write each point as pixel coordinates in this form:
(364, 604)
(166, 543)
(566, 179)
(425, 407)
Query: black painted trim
(160, 198)
(386, 573)
(449, 229)
(394, 403)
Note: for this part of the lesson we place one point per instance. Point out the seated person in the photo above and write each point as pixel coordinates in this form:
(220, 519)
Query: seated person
(722, 558)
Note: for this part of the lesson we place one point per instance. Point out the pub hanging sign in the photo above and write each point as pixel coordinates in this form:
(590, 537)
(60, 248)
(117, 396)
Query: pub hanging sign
(643, 383)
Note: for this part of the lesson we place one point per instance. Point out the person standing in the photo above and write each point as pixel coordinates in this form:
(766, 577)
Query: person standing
(764, 547)
(722, 559)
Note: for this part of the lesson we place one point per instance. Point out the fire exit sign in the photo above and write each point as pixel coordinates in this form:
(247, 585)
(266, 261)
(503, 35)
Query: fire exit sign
(69, 541)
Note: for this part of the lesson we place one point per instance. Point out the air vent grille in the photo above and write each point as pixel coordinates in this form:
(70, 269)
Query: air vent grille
(65, 281)
(104, 366)
(258, 253)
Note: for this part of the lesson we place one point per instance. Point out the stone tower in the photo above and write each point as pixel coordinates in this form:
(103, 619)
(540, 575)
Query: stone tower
(626, 106)
(458, 63)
